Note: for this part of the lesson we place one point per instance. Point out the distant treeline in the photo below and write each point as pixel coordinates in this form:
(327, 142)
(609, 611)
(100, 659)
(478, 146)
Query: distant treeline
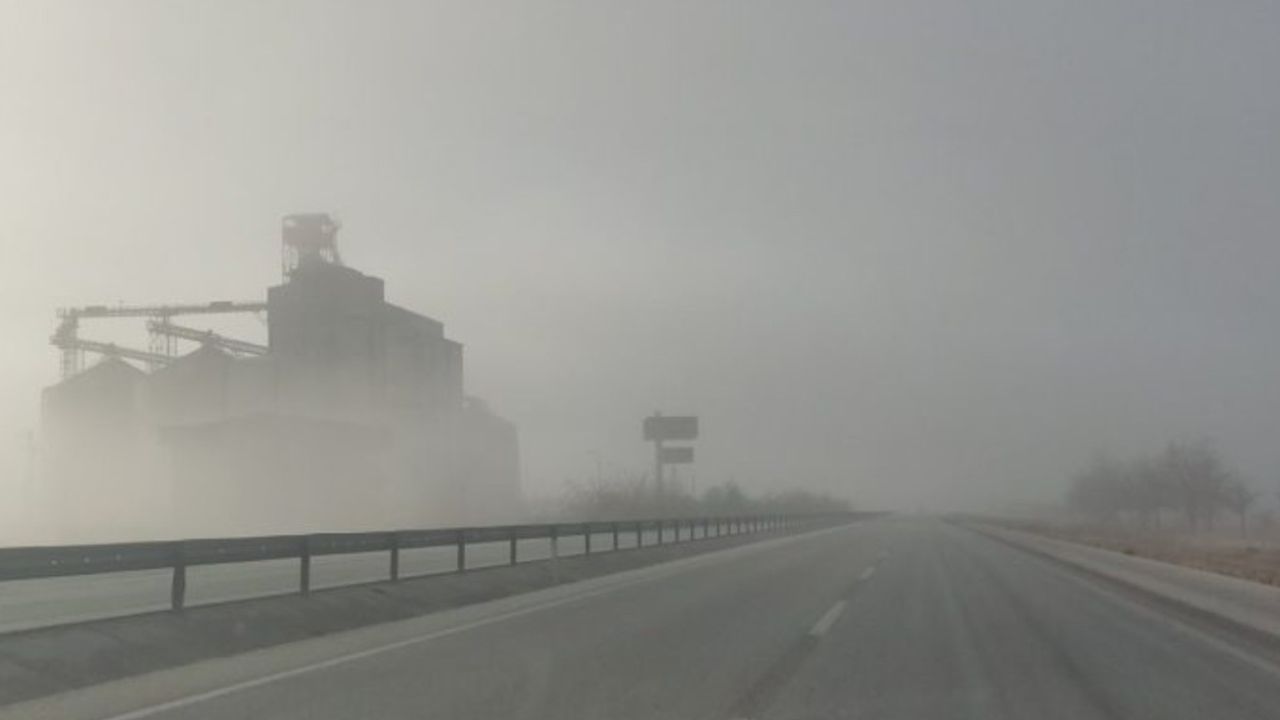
(635, 496)
(1188, 479)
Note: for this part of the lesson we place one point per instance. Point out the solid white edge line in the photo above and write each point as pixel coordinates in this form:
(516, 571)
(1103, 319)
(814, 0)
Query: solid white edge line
(866, 574)
(828, 619)
(445, 632)
(350, 657)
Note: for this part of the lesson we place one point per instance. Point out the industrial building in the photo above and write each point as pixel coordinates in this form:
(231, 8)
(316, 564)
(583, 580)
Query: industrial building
(352, 416)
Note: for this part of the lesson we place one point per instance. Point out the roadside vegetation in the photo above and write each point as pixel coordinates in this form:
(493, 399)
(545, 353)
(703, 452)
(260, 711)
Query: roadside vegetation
(634, 496)
(1184, 505)
(1188, 485)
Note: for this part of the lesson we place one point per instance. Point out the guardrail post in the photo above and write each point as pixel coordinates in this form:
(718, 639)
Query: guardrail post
(178, 589)
(555, 553)
(395, 556)
(462, 551)
(615, 537)
(512, 540)
(304, 566)
(660, 524)
(675, 526)
(639, 534)
(586, 539)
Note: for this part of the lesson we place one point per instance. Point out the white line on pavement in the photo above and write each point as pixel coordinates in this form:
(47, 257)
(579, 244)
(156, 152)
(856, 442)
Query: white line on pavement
(609, 584)
(867, 573)
(349, 657)
(826, 621)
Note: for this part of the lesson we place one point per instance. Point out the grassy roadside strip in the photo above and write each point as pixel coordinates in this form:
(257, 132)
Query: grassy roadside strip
(1245, 561)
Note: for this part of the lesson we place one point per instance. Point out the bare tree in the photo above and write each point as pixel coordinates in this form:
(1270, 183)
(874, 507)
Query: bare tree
(1197, 475)
(1099, 491)
(1189, 477)
(1238, 496)
(1152, 490)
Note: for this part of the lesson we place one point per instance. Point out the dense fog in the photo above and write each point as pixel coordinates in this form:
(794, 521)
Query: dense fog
(907, 255)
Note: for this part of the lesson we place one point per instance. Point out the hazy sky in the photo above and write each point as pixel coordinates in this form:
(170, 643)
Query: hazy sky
(923, 254)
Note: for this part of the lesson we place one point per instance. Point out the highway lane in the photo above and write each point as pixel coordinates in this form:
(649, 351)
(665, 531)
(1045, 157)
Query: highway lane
(882, 619)
(956, 625)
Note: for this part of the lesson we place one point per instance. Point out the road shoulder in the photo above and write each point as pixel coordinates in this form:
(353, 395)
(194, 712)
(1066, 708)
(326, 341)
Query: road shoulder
(447, 601)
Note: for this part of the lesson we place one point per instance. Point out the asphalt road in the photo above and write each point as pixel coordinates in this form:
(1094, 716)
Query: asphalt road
(892, 618)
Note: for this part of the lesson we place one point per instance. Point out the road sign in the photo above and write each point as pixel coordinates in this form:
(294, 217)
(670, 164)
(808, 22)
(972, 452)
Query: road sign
(677, 455)
(660, 428)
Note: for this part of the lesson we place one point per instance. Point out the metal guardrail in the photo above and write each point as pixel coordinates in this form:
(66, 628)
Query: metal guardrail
(29, 563)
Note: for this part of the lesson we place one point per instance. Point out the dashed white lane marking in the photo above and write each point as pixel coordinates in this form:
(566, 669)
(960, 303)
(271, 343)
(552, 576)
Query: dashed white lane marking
(867, 573)
(827, 620)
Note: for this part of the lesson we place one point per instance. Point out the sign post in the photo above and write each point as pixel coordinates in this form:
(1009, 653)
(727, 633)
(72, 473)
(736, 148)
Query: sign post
(659, 429)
